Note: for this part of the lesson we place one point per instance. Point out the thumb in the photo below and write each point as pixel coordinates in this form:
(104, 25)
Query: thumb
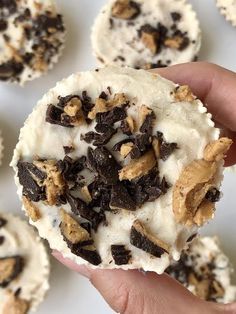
(129, 292)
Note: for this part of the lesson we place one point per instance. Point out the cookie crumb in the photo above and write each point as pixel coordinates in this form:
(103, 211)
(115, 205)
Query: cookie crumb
(31, 209)
(125, 9)
(183, 93)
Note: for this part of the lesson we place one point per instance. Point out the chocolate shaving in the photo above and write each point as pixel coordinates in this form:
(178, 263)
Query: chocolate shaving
(120, 199)
(102, 139)
(70, 168)
(104, 164)
(144, 240)
(10, 268)
(120, 254)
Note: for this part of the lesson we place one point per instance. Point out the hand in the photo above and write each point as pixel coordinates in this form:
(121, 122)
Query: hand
(133, 292)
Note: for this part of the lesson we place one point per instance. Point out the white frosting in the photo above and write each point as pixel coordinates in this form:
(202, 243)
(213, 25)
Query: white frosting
(228, 9)
(18, 40)
(186, 124)
(206, 249)
(1, 147)
(22, 240)
(122, 40)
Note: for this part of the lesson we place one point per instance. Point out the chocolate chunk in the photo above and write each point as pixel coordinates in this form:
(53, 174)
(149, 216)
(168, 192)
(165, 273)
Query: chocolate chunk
(142, 144)
(10, 69)
(3, 222)
(125, 127)
(147, 125)
(103, 95)
(87, 105)
(31, 188)
(99, 139)
(153, 192)
(70, 168)
(9, 5)
(213, 195)
(10, 268)
(3, 25)
(2, 239)
(166, 149)
(54, 116)
(180, 271)
(68, 149)
(79, 207)
(86, 226)
(120, 254)
(112, 116)
(176, 16)
(45, 23)
(101, 195)
(78, 239)
(104, 164)
(120, 198)
(142, 239)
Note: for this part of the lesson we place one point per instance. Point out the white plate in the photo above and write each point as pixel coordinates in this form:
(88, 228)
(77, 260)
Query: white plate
(69, 292)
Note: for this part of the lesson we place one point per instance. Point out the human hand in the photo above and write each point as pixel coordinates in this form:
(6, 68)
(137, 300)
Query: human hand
(134, 292)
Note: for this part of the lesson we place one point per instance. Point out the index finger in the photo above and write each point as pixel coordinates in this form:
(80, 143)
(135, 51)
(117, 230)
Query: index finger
(214, 85)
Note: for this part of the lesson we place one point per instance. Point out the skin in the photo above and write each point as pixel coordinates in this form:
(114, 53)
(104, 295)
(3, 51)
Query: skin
(129, 292)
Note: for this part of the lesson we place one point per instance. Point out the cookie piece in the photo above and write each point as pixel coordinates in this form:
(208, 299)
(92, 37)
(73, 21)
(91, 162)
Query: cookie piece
(24, 266)
(32, 37)
(228, 10)
(120, 191)
(146, 34)
(205, 270)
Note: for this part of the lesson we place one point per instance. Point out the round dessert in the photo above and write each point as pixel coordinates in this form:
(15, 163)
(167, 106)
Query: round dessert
(146, 34)
(228, 9)
(24, 266)
(31, 39)
(118, 167)
(206, 271)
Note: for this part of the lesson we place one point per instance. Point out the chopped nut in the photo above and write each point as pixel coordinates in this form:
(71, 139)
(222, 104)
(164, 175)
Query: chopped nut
(125, 9)
(54, 182)
(144, 240)
(149, 38)
(31, 209)
(204, 213)
(10, 268)
(216, 150)
(190, 190)
(71, 229)
(174, 42)
(202, 287)
(73, 109)
(138, 167)
(86, 194)
(15, 305)
(156, 145)
(184, 93)
(126, 149)
(102, 105)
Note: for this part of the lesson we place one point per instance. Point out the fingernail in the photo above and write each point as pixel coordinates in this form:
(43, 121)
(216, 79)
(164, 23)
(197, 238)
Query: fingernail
(84, 271)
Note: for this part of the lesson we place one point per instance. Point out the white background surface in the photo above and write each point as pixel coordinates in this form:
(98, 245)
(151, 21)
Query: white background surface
(70, 293)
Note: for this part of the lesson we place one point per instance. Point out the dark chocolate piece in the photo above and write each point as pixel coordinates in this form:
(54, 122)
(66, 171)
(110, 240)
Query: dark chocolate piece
(141, 240)
(11, 267)
(68, 149)
(166, 149)
(91, 256)
(142, 144)
(3, 25)
(125, 128)
(99, 139)
(176, 16)
(147, 126)
(79, 207)
(31, 189)
(117, 146)
(112, 116)
(213, 195)
(3, 222)
(10, 7)
(44, 24)
(120, 198)
(10, 69)
(2, 239)
(120, 254)
(104, 164)
(70, 168)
